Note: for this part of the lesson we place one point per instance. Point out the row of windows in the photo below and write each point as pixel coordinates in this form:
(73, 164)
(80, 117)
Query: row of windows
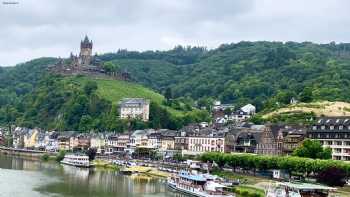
(205, 141)
(131, 109)
(331, 127)
(346, 158)
(329, 135)
(338, 143)
(205, 148)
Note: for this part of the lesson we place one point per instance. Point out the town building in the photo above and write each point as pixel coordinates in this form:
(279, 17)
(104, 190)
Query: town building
(167, 143)
(249, 109)
(181, 137)
(30, 138)
(206, 140)
(219, 110)
(292, 141)
(270, 143)
(52, 143)
(239, 116)
(280, 139)
(242, 114)
(333, 132)
(64, 140)
(98, 142)
(134, 108)
(117, 143)
(154, 140)
(2, 138)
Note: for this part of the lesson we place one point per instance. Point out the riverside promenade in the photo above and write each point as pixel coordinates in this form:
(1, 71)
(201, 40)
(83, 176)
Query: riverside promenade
(23, 152)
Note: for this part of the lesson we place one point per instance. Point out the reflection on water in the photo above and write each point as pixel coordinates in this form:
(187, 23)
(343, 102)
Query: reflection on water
(35, 178)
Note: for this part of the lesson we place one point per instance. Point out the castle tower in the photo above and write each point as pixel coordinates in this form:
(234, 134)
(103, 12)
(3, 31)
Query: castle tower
(85, 55)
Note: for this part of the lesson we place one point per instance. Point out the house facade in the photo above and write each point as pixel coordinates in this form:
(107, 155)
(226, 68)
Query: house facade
(334, 133)
(2, 138)
(134, 108)
(98, 142)
(270, 143)
(202, 144)
(63, 142)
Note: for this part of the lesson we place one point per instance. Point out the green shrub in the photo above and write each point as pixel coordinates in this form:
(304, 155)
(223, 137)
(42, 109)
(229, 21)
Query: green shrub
(45, 157)
(254, 195)
(291, 164)
(244, 193)
(60, 155)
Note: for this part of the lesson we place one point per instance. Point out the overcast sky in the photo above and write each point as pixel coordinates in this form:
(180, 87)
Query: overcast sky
(37, 28)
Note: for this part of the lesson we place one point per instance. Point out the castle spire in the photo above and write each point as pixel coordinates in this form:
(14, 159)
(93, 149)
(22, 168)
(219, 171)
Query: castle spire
(86, 39)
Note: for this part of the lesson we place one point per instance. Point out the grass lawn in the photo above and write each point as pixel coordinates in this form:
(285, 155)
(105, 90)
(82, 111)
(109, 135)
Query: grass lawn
(343, 191)
(244, 179)
(250, 190)
(115, 90)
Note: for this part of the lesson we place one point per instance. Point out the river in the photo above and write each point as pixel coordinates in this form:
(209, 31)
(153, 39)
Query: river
(29, 178)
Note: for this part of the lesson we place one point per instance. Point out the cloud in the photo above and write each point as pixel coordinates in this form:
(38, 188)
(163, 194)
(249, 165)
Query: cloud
(36, 28)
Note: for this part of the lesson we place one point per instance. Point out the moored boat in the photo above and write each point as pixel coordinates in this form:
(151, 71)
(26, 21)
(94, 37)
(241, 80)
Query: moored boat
(290, 189)
(197, 185)
(78, 160)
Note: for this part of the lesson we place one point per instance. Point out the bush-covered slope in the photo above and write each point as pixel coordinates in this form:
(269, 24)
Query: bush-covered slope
(33, 97)
(266, 74)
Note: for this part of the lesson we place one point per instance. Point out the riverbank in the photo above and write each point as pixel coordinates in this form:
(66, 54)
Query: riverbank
(102, 164)
(24, 152)
(150, 171)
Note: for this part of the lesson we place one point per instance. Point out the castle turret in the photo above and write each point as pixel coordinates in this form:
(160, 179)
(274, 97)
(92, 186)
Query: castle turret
(85, 51)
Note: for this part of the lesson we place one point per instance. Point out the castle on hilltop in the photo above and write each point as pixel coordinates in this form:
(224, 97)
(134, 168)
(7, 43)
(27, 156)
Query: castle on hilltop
(86, 64)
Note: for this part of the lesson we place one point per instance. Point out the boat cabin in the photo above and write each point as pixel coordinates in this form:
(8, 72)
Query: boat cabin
(290, 189)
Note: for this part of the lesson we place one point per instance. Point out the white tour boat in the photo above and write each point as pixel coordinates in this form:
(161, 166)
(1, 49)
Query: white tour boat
(197, 185)
(289, 189)
(78, 160)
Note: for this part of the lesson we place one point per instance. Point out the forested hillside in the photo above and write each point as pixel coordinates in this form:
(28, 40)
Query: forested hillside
(32, 97)
(266, 74)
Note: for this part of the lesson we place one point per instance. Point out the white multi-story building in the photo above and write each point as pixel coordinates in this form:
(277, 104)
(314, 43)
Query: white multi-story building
(134, 108)
(210, 143)
(98, 142)
(334, 133)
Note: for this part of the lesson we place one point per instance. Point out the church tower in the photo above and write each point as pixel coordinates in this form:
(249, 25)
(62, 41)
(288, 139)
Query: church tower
(85, 55)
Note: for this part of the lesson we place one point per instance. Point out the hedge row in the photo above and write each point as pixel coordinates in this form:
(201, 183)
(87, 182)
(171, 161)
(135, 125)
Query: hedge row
(254, 162)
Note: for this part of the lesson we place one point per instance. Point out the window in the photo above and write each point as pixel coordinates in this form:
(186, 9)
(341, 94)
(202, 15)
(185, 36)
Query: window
(331, 127)
(314, 127)
(340, 127)
(339, 143)
(323, 127)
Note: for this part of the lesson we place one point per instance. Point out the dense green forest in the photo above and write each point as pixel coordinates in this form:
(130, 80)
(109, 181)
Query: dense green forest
(267, 74)
(32, 97)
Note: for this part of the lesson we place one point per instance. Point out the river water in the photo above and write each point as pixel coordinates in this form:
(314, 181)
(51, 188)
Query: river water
(28, 178)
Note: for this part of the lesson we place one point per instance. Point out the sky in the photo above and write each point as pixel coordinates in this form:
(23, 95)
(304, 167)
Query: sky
(53, 28)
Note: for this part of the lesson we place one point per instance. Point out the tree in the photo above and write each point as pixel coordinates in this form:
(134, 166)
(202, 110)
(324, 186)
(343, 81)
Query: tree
(306, 95)
(332, 176)
(313, 149)
(168, 94)
(60, 155)
(90, 87)
(85, 123)
(110, 67)
(91, 153)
